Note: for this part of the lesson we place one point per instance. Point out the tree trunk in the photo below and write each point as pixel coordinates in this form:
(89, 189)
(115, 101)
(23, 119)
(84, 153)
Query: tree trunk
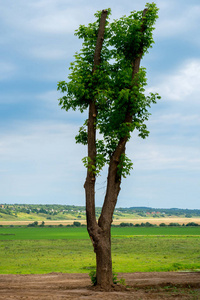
(103, 246)
(104, 261)
(101, 239)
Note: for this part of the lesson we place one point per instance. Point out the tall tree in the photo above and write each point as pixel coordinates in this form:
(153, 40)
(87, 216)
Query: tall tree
(106, 78)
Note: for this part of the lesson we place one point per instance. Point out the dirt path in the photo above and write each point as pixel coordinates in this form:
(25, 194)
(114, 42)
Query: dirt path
(57, 286)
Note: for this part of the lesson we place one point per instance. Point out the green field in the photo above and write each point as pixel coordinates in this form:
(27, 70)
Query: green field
(38, 233)
(25, 250)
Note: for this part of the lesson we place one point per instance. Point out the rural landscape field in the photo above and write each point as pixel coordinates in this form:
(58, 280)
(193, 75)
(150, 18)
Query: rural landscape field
(23, 214)
(52, 243)
(26, 250)
(31, 243)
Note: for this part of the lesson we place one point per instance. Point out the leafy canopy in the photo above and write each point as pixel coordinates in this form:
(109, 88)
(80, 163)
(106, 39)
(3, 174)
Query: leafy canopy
(112, 86)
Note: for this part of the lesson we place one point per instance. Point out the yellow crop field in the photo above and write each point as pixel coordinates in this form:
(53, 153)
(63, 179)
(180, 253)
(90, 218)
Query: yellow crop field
(154, 221)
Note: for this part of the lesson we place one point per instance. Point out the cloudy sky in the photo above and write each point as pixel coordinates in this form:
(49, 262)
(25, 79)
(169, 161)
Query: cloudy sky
(39, 160)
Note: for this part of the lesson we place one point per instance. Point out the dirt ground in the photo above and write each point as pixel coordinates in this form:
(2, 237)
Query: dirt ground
(57, 286)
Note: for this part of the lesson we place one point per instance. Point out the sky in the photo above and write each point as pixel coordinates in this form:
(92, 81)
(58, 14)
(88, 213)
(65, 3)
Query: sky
(40, 163)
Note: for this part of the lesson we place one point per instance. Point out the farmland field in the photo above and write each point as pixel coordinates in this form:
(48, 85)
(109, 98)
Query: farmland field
(38, 233)
(43, 250)
(155, 221)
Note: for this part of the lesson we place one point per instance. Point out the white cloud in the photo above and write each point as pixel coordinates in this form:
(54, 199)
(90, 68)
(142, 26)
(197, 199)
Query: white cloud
(39, 158)
(41, 163)
(38, 142)
(54, 17)
(182, 84)
(164, 154)
(174, 119)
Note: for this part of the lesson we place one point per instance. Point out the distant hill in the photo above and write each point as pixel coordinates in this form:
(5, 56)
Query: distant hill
(15, 212)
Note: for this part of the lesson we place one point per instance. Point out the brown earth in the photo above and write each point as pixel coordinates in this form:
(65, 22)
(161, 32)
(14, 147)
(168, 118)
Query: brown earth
(57, 286)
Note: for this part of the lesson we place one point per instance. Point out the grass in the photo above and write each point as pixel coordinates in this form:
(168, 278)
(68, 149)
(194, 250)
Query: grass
(38, 233)
(45, 256)
(139, 254)
(25, 250)
(59, 249)
(124, 232)
(42, 233)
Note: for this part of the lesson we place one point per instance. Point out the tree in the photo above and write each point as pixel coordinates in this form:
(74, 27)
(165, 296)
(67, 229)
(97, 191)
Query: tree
(106, 78)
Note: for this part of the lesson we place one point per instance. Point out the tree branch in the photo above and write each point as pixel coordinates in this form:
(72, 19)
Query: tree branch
(100, 39)
(114, 179)
(90, 179)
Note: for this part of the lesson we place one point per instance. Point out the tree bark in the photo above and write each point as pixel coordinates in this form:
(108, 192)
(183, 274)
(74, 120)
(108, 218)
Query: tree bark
(104, 261)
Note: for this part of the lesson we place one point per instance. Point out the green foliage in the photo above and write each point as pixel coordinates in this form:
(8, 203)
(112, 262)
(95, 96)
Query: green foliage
(174, 224)
(42, 224)
(162, 225)
(33, 224)
(124, 224)
(77, 224)
(130, 43)
(93, 277)
(115, 281)
(124, 166)
(112, 86)
(122, 281)
(97, 167)
(192, 224)
(81, 138)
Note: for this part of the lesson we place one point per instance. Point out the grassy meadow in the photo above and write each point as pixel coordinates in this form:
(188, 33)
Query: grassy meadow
(26, 250)
(80, 233)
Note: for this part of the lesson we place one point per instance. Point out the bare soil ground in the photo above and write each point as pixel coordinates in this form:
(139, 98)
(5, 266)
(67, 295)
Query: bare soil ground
(57, 286)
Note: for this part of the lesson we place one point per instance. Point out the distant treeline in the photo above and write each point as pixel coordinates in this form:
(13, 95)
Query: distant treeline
(147, 224)
(78, 224)
(168, 211)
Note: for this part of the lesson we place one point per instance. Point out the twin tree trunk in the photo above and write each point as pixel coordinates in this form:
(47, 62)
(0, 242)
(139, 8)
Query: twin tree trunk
(100, 233)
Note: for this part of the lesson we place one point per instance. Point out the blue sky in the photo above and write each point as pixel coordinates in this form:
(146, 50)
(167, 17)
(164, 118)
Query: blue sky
(39, 160)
